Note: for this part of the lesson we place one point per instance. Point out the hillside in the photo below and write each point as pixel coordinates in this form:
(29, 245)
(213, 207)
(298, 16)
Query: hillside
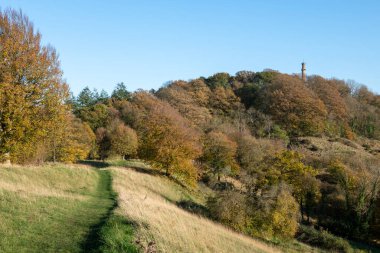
(152, 203)
(64, 208)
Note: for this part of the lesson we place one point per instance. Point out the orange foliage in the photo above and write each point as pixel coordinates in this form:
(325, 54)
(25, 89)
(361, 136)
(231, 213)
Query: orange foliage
(166, 138)
(294, 106)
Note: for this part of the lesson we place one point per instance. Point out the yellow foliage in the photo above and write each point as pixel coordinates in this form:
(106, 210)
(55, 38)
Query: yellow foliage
(76, 143)
(285, 216)
(166, 139)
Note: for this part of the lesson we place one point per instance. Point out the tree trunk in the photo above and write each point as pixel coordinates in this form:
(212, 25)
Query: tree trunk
(54, 151)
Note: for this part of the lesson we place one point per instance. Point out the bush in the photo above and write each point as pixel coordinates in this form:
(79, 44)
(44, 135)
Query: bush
(229, 207)
(323, 239)
(274, 215)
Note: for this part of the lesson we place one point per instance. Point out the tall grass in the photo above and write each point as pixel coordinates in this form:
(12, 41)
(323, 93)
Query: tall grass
(149, 202)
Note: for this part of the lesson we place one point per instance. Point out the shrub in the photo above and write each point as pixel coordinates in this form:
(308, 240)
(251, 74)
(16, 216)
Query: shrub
(323, 239)
(274, 215)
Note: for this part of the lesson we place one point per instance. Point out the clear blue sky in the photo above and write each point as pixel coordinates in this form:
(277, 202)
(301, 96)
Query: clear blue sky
(146, 43)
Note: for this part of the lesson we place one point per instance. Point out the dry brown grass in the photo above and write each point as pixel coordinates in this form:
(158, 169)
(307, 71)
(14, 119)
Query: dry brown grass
(149, 202)
(47, 181)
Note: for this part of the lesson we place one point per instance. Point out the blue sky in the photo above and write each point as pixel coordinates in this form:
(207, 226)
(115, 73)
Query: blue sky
(146, 43)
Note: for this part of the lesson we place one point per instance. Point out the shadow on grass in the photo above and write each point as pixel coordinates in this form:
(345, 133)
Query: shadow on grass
(194, 208)
(186, 204)
(147, 170)
(95, 163)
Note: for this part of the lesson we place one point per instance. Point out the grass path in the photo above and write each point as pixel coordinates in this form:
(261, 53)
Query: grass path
(54, 208)
(105, 202)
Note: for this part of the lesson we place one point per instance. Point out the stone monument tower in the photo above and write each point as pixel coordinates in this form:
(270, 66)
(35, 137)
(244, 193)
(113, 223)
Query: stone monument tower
(303, 69)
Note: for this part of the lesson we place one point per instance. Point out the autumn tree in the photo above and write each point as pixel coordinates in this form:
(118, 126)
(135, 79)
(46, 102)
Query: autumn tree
(32, 91)
(166, 138)
(360, 189)
(364, 113)
(288, 167)
(328, 92)
(219, 154)
(293, 105)
(223, 101)
(191, 99)
(274, 214)
(200, 102)
(229, 208)
(76, 143)
(117, 139)
(123, 139)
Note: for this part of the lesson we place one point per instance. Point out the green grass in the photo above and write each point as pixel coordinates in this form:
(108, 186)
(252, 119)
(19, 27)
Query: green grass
(117, 235)
(55, 209)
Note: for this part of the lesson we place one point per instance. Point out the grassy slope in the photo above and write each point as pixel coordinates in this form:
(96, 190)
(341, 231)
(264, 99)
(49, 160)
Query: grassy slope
(71, 209)
(149, 202)
(54, 208)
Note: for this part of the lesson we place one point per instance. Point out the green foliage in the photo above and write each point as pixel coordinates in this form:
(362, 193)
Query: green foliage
(365, 120)
(121, 92)
(265, 77)
(286, 166)
(278, 133)
(323, 239)
(86, 98)
(218, 80)
(248, 94)
(96, 115)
